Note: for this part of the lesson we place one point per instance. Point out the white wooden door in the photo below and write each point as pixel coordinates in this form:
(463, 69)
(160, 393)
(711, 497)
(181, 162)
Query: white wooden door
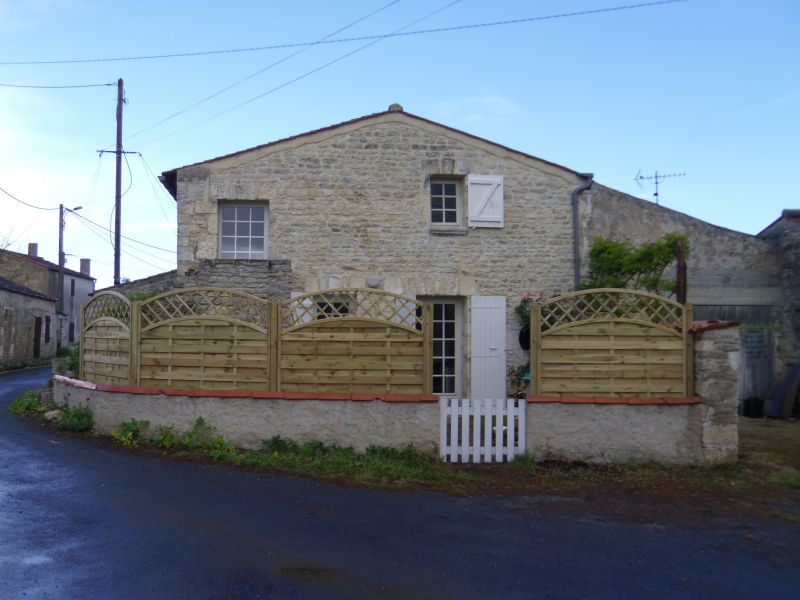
(488, 355)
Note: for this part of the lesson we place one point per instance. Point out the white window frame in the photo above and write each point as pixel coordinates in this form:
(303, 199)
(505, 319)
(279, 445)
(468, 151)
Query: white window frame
(224, 232)
(459, 201)
(458, 374)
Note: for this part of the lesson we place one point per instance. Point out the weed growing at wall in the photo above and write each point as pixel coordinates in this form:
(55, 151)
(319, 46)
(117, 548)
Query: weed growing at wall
(27, 404)
(165, 437)
(75, 418)
(129, 433)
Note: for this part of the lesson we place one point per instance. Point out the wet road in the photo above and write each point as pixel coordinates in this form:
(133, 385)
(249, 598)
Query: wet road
(80, 520)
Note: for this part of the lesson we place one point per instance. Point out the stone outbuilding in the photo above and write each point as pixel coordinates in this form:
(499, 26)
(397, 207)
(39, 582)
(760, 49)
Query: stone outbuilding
(397, 202)
(27, 323)
(33, 271)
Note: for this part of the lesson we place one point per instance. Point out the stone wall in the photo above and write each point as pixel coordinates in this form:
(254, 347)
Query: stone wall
(614, 433)
(247, 421)
(162, 282)
(27, 273)
(717, 355)
(724, 267)
(17, 315)
(268, 279)
(352, 203)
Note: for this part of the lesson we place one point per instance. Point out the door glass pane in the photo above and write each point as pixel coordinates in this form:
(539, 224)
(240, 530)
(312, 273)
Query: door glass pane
(445, 351)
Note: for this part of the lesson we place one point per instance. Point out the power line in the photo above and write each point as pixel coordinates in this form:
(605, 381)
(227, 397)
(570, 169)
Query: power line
(579, 13)
(13, 197)
(268, 67)
(123, 236)
(55, 87)
(304, 75)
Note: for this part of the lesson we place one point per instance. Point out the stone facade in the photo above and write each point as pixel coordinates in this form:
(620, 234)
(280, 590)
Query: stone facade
(19, 311)
(717, 355)
(32, 271)
(271, 279)
(350, 205)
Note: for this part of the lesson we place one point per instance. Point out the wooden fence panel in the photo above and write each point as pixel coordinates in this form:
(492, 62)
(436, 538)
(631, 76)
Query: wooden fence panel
(611, 343)
(206, 338)
(352, 355)
(105, 339)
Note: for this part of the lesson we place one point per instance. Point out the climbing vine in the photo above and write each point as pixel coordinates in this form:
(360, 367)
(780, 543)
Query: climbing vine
(614, 264)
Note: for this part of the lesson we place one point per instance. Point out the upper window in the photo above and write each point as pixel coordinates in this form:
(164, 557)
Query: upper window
(445, 202)
(243, 231)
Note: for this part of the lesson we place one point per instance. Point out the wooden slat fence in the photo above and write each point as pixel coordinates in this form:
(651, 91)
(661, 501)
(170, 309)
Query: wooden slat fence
(106, 339)
(349, 340)
(611, 342)
(354, 340)
(206, 338)
(481, 430)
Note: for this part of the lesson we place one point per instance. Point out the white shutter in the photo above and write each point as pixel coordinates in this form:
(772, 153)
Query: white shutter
(485, 200)
(488, 356)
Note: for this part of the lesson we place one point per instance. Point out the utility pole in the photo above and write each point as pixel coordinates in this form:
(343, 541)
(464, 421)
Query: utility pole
(61, 259)
(118, 189)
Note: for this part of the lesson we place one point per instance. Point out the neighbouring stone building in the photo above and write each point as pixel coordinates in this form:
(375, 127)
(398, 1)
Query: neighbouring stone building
(398, 202)
(27, 323)
(32, 271)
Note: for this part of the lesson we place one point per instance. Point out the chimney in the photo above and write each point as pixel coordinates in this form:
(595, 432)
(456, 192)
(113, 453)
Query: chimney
(86, 266)
(33, 249)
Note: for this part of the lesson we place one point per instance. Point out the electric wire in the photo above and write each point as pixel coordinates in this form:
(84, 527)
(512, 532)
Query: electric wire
(13, 197)
(564, 15)
(130, 252)
(123, 236)
(262, 70)
(54, 87)
(150, 177)
(303, 76)
(126, 252)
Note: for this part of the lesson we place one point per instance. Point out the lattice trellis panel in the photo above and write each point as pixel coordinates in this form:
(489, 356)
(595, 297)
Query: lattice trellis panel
(205, 302)
(610, 304)
(352, 303)
(107, 304)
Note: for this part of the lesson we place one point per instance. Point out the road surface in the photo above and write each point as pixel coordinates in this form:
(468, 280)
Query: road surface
(81, 519)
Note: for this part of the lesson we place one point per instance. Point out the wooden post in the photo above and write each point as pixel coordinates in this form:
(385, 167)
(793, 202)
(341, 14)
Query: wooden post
(135, 342)
(688, 369)
(118, 185)
(427, 349)
(680, 277)
(274, 346)
(536, 351)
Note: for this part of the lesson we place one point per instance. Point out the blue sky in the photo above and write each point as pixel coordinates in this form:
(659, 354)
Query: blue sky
(706, 87)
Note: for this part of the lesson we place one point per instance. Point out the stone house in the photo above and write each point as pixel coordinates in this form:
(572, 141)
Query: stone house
(32, 271)
(27, 323)
(401, 203)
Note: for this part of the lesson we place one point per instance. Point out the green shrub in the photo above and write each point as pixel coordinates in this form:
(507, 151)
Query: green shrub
(165, 437)
(27, 404)
(129, 433)
(200, 435)
(75, 418)
(279, 445)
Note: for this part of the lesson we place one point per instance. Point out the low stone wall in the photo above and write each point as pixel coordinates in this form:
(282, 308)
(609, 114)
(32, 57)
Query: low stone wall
(246, 419)
(613, 433)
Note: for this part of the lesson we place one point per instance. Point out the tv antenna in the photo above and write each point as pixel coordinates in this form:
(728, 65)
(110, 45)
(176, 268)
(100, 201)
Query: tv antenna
(656, 178)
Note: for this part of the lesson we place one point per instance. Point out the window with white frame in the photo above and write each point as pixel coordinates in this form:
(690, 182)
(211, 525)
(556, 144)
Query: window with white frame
(447, 354)
(445, 202)
(243, 231)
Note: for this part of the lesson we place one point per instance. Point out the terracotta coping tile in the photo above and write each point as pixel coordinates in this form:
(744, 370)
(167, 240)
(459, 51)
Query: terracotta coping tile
(195, 393)
(630, 400)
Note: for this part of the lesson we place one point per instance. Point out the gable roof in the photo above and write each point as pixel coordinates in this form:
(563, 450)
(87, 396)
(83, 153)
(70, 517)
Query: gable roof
(169, 178)
(13, 286)
(48, 265)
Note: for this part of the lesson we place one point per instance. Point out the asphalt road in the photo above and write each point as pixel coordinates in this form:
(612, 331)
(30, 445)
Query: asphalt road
(81, 520)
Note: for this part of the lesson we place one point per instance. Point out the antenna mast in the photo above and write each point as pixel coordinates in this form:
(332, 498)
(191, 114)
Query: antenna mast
(656, 178)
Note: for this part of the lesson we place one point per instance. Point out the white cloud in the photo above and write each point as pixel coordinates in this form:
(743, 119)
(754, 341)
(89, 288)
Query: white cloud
(491, 108)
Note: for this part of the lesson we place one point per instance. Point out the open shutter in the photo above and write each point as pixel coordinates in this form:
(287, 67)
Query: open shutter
(488, 356)
(485, 199)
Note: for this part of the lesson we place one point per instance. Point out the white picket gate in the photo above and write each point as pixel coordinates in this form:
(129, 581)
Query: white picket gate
(481, 430)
